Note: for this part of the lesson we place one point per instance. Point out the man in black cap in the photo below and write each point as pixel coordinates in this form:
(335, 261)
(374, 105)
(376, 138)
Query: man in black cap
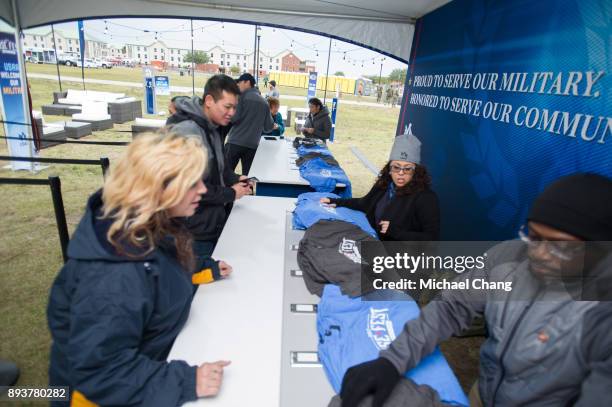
(252, 118)
(545, 347)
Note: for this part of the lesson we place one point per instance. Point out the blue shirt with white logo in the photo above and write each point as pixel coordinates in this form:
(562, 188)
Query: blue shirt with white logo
(309, 211)
(353, 331)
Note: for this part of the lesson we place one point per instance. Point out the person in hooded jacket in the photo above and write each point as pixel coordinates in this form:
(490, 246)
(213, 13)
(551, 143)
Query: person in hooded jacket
(317, 124)
(208, 118)
(401, 206)
(549, 341)
(124, 294)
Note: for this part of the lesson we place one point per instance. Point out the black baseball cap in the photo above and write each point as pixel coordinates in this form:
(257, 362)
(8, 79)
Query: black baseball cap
(246, 77)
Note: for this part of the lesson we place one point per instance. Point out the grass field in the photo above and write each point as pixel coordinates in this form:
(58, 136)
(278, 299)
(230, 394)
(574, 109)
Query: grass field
(135, 75)
(30, 253)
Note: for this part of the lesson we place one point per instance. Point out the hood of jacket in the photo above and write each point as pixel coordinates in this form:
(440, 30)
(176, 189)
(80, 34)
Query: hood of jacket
(89, 239)
(323, 112)
(191, 109)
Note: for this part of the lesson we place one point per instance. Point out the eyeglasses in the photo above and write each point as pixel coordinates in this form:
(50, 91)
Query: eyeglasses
(399, 169)
(562, 250)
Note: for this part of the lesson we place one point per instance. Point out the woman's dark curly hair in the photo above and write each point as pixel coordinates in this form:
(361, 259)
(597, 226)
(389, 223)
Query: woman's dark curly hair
(420, 180)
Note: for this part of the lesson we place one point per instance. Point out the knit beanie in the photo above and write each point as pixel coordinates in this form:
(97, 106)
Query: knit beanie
(579, 204)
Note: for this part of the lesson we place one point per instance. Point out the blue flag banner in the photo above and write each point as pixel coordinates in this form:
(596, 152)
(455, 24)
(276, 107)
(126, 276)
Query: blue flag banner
(507, 97)
(312, 86)
(13, 102)
(333, 119)
(149, 91)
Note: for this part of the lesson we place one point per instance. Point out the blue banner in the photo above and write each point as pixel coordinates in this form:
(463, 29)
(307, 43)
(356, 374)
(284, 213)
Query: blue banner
(150, 95)
(333, 119)
(312, 86)
(162, 86)
(13, 102)
(507, 97)
(81, 41)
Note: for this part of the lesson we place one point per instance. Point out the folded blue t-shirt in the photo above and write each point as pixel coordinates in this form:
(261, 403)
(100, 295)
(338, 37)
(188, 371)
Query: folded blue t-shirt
(303, 150)
(309, 211)
(323, 177)
(353, 331)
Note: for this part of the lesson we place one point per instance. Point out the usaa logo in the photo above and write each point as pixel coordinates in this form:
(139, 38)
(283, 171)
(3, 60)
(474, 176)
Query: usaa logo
(380, 328)
(350, 250)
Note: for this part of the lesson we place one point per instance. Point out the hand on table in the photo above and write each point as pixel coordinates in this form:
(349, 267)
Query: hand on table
(225, 269)
(327, 201)
(209, 377)
(242, 189)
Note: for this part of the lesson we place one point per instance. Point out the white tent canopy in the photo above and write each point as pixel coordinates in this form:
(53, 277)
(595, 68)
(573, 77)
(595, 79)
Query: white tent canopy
(386, 26)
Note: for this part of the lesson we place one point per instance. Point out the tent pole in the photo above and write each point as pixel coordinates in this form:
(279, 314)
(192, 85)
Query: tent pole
(327, 72)
(258, 50)
(24, 81)
(59, 78)
(255, 50)
(192, 62)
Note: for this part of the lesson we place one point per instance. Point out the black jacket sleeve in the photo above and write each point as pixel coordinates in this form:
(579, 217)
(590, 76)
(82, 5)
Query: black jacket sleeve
(230, 177)
(268, 122)
(323, 128)
(428, 213)
(218, 195)
(359, 204)
(108, 318)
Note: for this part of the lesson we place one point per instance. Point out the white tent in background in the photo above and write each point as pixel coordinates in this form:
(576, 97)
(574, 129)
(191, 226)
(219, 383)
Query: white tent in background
(386, 26)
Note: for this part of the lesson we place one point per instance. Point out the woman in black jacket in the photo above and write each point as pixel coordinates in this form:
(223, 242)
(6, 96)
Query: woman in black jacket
(401, 205)
(318, 124)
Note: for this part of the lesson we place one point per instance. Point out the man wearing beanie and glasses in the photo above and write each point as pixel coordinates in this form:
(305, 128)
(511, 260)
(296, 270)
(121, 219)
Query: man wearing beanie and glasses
(549, 340)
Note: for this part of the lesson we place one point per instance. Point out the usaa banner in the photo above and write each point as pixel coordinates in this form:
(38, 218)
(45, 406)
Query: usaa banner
(506, 97)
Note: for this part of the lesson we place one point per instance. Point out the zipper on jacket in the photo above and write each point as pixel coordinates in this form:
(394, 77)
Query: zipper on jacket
(509, 342)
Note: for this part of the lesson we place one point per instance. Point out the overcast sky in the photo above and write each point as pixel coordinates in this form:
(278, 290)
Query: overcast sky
(240, 37)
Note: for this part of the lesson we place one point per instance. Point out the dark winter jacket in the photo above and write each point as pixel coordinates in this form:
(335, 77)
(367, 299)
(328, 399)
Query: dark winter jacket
(209, 219)
(414, 217)
(321, 123)
(113, 320)
(544, 347)
(252, 118)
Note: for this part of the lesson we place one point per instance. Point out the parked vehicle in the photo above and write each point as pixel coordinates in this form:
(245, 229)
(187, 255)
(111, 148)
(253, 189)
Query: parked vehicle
(68, 59)
(88, 63)
(103, 63)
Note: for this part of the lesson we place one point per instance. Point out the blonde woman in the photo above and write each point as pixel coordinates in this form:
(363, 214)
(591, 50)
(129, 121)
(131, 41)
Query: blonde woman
(125, 292)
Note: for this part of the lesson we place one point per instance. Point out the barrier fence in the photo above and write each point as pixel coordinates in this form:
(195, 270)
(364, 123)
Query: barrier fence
(102, 162)
(58, 205)
(56, 189)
